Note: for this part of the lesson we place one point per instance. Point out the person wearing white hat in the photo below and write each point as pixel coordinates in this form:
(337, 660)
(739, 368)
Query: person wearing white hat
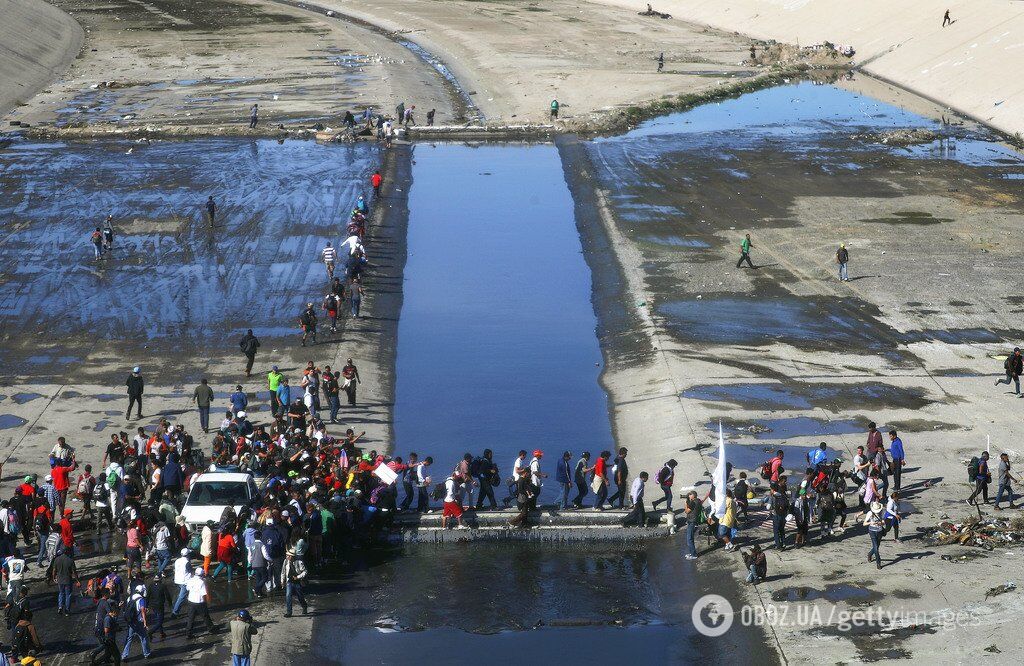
(198, 598)
(293, 572)
(138, 625)
(182, 572)
(875, 522)
(136, 385)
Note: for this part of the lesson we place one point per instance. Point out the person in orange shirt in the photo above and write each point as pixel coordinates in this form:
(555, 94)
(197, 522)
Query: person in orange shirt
(376, 179)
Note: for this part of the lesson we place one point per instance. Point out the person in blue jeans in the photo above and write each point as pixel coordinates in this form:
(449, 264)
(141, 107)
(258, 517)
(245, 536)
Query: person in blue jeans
(292, 574)
(138, 626)
(182, 572)
(62, 571)
(563, 477)
(692, 510)
(242, 631)
(356, 292)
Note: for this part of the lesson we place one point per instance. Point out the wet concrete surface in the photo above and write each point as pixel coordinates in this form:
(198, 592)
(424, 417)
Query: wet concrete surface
(497, 327)
(278, 204)
(803, 396)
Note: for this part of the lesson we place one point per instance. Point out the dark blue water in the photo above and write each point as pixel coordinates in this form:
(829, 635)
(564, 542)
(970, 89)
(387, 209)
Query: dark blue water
(496, 340)
(172, 280)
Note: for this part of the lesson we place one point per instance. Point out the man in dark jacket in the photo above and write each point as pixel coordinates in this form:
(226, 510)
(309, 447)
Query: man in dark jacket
(62, 572)
(249, 344)
(135, 385)
(621, 476)
(1014, 367)
(484, 469)
(563, 477)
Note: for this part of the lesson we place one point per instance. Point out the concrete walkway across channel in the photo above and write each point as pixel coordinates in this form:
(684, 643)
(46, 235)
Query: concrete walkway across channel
(546, 524)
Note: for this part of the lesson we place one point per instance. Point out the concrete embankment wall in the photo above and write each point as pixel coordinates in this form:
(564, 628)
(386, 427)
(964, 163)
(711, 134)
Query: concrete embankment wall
(971, 66)
(37, 44)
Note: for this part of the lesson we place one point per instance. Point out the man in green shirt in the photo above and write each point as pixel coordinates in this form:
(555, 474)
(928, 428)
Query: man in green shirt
(554, 109)
(273, 381)
(203, 397)
(745, 246)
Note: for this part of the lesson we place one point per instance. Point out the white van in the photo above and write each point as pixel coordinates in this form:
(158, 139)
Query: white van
(211, 492)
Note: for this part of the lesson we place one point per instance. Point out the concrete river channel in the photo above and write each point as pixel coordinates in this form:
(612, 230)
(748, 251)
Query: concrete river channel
(500, 335)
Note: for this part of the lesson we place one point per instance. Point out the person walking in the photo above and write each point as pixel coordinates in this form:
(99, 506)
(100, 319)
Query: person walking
(375, 180)
(158, 599)
(211, 210)
(843, 258)
(108, 234)
(536, 477)
(692, 509)
(637, 515)
(423, 486)
(136, 386)
(249, 344)
(203, 397)
(307, 321)
(874, 440)
(779, 509)
(599, 481)
(293, 572)
(579, 477)
(1013, 366)
(665, 476)
(182, 573)
(242, 631)
(620, 473)
(892, 515)
(898, 458)
(97, 242)
(239, 401)
(107, 635)
(332, 390)
(563, 477)
(554, 109)
(745, 246)
(875, 522)
(138, 623)
(356, 294)
(350, 380)
(329, 256)
(1005, 479)
(661, 61)
(198, 602)
(486, 473)
(254, 114)
(981, 480)
(946, 20)
(64, 575)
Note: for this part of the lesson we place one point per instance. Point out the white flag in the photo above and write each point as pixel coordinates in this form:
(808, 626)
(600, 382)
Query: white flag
(721, 476)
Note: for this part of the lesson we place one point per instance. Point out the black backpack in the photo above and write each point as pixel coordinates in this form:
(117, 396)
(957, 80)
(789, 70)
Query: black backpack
(780, 503)
(438, 493)
(972, 469)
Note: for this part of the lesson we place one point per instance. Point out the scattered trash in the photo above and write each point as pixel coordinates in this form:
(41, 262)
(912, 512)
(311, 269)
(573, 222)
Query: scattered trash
(983, 533)
(1009, 586)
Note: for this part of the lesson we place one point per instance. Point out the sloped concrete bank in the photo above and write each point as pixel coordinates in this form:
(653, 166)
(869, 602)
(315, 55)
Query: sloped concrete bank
(37, 44)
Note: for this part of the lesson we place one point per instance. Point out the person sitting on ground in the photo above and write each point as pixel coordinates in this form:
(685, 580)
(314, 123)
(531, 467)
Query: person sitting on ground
(756, 564)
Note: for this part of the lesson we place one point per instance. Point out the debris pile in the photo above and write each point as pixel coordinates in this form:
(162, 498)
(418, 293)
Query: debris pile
(655, 13)
(987, 533)
(901, 138)
(1001, 589)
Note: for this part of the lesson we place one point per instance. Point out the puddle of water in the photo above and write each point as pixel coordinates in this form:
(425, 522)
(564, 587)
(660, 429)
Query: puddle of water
(854, 594)
(22, 398)
(11, 421)
(676, 241)
(750, 457)
(833, 397)
(511, 315)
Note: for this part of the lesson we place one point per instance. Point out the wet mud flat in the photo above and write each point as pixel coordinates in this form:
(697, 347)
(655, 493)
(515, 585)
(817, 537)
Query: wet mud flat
(786, 355)
(174, 287)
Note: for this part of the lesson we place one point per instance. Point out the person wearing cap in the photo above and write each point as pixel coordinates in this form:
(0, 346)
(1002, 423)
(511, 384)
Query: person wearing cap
(182, 572)
(842, 258)
(874, 520)
(203, 397)
(242, 631)
(1014, 367)
(198, 602)
(535, 476)
(293, 572)
(274, 378)
(136, 386)
(239, 401)
(138, 622)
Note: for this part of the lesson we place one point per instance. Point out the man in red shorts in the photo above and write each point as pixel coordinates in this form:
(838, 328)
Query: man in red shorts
(452, 504)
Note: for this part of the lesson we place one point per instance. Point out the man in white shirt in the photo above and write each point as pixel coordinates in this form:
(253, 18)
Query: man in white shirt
(197, 602)
(182, 572)
(536, 476)
(452, 503)
(637, 515)
(351, 245)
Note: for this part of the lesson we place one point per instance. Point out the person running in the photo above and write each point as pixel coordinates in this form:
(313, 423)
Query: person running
(307, 320)
(664, 478)
(136, 386)
(211, 210)
(745, 246)
(843, 258)
(254, 114)
(1014, 367)
(249, 344)
(375, 180)
(329, 255)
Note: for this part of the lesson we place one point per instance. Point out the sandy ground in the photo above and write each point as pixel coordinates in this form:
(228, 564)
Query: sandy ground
(913, 342)
(174, 65)
(515, 57)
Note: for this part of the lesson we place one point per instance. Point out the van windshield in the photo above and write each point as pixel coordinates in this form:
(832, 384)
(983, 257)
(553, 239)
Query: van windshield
(223, 493)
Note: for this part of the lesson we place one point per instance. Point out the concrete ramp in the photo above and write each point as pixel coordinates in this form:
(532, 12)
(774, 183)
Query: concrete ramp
(38, 42)
(546, 525)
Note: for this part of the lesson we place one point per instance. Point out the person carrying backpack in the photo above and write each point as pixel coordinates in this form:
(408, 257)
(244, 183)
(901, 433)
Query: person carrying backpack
(138, 625)
(97, 242)
(307, 320)
(1014, 367)
(664, 478)
(982, 477)
(485, 472)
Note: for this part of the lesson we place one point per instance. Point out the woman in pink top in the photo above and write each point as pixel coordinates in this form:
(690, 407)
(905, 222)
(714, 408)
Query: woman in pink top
(133, 548)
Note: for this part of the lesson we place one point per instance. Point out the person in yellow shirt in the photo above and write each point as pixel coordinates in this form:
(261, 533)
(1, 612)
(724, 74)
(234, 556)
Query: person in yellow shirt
(727, 524)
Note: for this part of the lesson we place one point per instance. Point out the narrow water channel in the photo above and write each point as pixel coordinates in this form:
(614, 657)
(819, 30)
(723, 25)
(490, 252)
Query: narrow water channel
(496, 340)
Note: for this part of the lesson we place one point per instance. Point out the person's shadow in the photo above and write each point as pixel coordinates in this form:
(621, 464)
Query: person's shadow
(909, 556)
